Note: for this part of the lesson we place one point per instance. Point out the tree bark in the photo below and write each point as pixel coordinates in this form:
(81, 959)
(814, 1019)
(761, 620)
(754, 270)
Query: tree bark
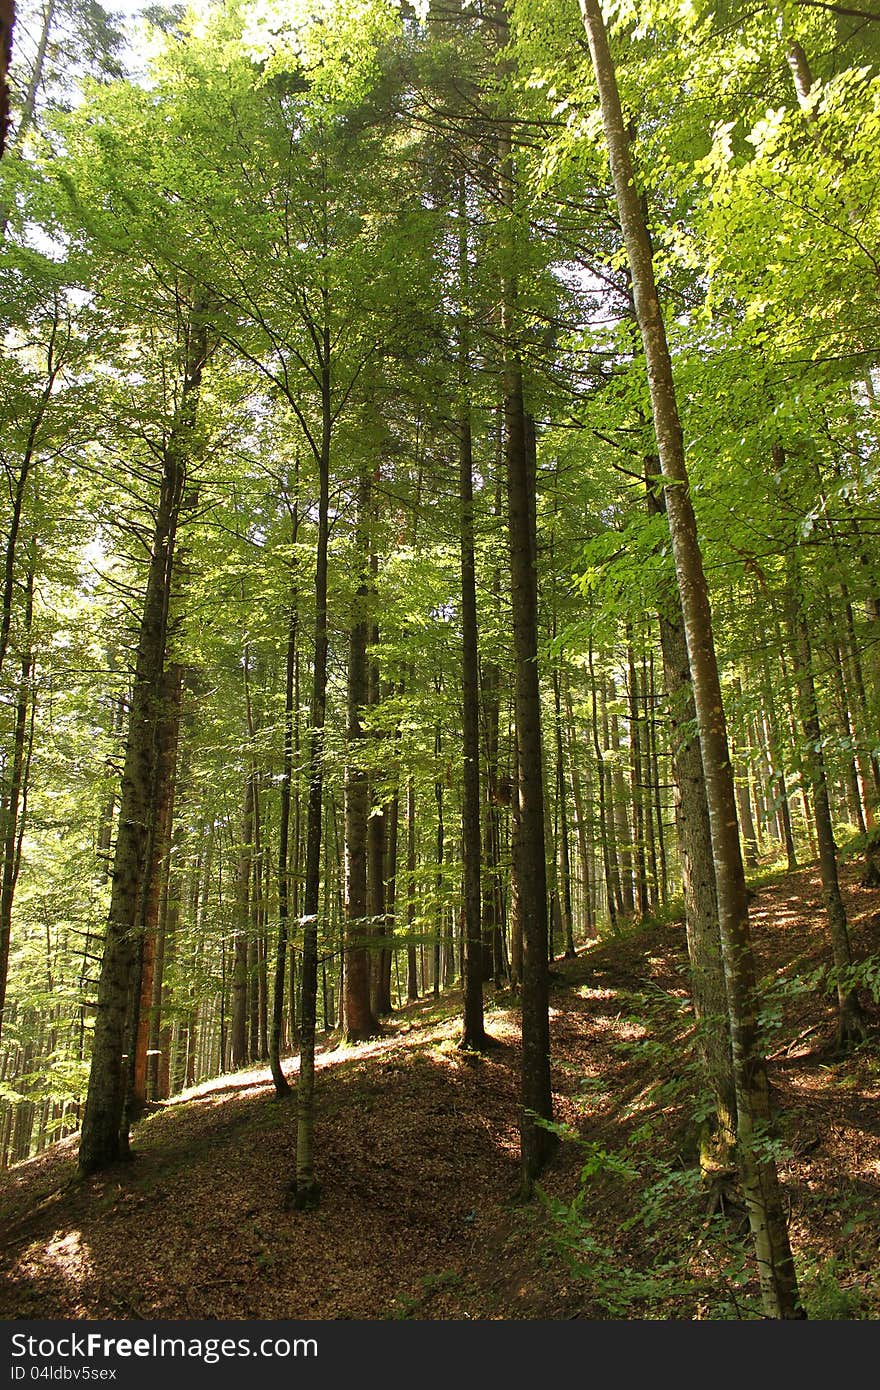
(7, 22)
(708, 987)
(851, 1021)
(412, 973)
(473, 1035)
(168, 731)
(306, 1188)
(103, 1114)
(758, 1172)
(536, 1142)
(240, 963)
(359, 1020)
(282, 1086)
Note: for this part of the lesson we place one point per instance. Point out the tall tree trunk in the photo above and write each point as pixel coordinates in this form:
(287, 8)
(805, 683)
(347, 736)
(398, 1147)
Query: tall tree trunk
(157, 869)
(758, 1170)
(377, 830)
(282, 1087)
(388, 954)
(658, 865)
(851, 1022)
(580, 816)
(12, 818)
(473, 1035)
(604, 818)
(306, 1188)
(561, 800)
(240, 963)
(7, 21)
(412, 974)
(102, 1118)
(536, 1142)
(739, 754)
(438, 878)
(359, 1020)
(619, 799)
(637, 786)
(708, 987)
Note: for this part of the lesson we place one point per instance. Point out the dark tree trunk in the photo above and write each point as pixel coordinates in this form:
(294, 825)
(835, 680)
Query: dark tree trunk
(12, 819)
(412, 973)
(282, 1086)
(536, 1142)
(377, 829)
(7, 21)
(239, 1023)
(102, 1117)
(388, 954)
(438, 878)
(168, 731)
(306, 1186)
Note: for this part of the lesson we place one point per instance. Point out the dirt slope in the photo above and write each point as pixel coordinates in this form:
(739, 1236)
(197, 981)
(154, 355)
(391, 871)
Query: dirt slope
(418, 1158)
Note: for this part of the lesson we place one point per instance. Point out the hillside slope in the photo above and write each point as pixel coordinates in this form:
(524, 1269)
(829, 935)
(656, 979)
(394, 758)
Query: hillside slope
(417, 1152)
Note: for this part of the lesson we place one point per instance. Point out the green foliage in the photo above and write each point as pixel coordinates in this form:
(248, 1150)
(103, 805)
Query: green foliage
(617, 1290)
(826, 1297)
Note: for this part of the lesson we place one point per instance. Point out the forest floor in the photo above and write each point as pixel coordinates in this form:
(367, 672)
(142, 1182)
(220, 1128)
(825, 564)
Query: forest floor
(417, 1148)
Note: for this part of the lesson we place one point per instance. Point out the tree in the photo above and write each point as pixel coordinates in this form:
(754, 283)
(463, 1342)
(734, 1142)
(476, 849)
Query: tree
(760, 1184)
(7, 22)
(102, 1138)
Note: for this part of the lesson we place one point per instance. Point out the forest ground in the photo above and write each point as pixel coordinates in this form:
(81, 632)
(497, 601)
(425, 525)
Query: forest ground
(417, 1152)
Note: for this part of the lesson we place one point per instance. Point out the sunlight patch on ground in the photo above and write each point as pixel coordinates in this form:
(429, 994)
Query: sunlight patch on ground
(66, 1254)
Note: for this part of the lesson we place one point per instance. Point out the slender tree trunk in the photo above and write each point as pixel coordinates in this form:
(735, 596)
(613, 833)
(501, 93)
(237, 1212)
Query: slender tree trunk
(306, 1188)
(412, 974)
(473, 1035)
(438, 877)
(388, 953)
(659, 866)
(851, 1022)
(758, 1171)
(739, 754)
(239, 1024)
(708, 987)
(622, 846)
(604, 829)
(580, 816)
(561, 799)
(282, 1086)
(7, 21)
(359, 1020)
(12, 819)
(637, 784)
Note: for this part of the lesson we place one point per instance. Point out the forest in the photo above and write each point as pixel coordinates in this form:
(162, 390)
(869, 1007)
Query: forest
(440, 659)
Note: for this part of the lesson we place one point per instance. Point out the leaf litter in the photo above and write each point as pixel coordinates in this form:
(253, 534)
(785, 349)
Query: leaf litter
(417, 1150)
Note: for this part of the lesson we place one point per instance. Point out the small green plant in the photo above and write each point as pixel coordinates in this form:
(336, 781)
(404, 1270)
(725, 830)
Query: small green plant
(825, 1297)
(407, 1305)
(862, 974)
(613, 1286)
